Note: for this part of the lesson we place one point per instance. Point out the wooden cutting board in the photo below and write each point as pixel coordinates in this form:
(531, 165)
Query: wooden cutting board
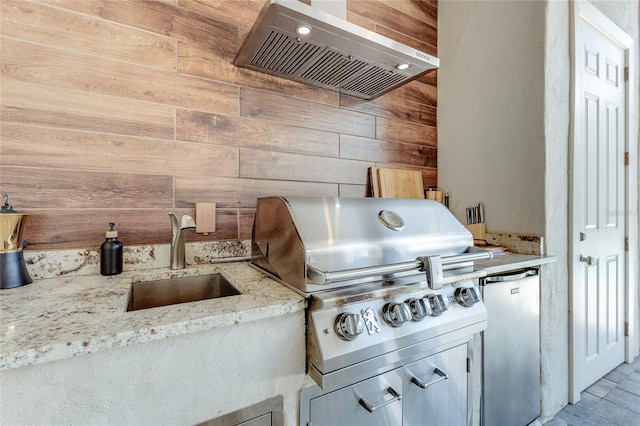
(398, 183)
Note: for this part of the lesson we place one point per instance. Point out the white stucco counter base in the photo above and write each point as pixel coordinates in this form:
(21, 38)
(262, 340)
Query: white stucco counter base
(185, 379)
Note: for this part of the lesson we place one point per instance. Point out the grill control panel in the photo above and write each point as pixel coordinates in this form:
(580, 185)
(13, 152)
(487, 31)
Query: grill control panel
(349, 337)
(350, 325)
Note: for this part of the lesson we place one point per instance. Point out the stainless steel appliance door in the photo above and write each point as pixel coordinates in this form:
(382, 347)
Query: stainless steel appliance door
(511, 349)
(435, 389)
(376, 401)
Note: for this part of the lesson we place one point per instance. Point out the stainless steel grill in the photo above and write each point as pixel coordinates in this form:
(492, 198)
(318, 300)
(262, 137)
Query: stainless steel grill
(389, 282)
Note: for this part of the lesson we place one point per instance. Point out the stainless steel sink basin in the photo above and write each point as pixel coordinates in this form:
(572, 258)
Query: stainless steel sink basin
(151, 294)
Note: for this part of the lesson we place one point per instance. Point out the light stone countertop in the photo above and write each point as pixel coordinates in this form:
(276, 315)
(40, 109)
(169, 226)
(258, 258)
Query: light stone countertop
(57, 318)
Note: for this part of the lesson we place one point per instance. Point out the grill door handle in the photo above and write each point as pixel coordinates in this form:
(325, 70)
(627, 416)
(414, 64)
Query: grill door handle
(371, 408)
(442, 376)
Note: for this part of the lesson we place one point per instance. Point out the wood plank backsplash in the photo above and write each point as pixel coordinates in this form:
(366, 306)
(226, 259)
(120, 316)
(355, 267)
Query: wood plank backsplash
(124, 110)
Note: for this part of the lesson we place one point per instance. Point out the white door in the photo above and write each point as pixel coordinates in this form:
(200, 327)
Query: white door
(597, 297)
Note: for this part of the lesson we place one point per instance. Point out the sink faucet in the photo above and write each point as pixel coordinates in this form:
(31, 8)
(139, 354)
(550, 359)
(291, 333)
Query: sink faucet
(177, 238)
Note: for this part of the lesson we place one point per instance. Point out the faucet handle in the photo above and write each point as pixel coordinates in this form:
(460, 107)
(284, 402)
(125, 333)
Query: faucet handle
(187, 222)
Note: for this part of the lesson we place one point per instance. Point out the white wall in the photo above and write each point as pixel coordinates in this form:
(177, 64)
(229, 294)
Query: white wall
(503, 127)
(554, 295)
(490, 111)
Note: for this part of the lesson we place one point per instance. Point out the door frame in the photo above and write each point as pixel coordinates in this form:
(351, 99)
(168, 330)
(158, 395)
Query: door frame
(585, 11)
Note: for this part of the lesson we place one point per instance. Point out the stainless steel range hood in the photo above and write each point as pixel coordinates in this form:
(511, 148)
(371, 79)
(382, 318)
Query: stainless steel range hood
(335, 54)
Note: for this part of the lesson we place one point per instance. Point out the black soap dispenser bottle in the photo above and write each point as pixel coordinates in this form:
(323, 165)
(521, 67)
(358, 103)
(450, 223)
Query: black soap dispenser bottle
(111, 253)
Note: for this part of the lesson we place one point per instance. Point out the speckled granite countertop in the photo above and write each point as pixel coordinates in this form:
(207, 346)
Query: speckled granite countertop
(58, 318)
(61, 317)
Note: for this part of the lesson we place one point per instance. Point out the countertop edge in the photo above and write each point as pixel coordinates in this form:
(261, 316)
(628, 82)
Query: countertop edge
(44, 354)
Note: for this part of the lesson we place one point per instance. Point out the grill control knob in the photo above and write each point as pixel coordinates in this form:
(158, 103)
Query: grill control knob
(396, 314)
(467, 296)
(419, 308)
(438, 304)
(349, 326)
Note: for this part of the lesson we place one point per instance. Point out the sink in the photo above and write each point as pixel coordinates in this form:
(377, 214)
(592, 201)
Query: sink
(151, 294)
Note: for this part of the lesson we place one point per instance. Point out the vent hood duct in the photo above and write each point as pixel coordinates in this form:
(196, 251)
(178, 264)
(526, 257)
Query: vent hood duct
(335, 54)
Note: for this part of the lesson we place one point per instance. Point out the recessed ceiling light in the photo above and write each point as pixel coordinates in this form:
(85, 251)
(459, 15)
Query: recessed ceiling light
(402, 66)
(303, 29)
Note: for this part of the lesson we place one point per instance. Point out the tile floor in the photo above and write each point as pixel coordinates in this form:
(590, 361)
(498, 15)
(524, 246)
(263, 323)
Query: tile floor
(612, 400)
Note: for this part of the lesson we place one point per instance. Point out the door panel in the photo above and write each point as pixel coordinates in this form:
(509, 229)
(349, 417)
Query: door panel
(598, 232)
(613, 288)
(442, 399)
(590, 172)
(591, 314)
(613, 165)
(345, 406)
(511, 352)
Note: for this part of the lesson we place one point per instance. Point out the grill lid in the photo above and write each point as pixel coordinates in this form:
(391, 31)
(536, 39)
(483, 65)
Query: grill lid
(335, 55)
(304, 240)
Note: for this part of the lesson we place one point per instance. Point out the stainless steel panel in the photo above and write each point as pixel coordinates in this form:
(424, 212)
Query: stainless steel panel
(327, 352)
(511, 351)
(447, 396)
(263, 420)
(267, 412)
(335, 55)
(381, 363)
(347, 406)
(443, 402)
(335, 234)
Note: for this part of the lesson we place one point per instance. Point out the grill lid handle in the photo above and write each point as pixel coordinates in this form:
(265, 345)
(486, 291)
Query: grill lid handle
(432, 267)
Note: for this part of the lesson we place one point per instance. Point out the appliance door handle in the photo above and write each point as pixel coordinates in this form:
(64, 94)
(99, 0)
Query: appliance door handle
(510, 277)
(442, 376)
(371, 408)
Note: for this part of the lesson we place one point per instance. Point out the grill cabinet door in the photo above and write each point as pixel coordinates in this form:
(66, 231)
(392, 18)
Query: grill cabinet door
(431, 399)
(344, 406)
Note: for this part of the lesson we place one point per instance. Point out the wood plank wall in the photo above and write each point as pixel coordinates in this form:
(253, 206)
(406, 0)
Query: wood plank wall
(124, 110)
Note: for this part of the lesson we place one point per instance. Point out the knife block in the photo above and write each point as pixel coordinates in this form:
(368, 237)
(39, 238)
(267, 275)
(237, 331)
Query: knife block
(478, 230)
(432, 194)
